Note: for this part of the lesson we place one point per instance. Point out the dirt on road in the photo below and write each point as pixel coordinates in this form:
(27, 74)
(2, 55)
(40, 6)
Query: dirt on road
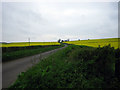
(10, 70)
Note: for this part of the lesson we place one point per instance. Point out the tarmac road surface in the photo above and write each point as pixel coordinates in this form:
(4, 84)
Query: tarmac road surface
(11, 69)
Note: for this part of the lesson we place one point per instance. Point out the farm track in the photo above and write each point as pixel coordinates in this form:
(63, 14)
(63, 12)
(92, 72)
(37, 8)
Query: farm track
(10, 70)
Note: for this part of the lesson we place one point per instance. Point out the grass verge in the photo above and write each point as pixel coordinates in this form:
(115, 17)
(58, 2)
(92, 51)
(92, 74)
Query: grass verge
(12, 53)
(74, 67)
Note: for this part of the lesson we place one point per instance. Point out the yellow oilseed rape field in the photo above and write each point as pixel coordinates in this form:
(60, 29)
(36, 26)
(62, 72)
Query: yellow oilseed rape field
(22, 44)
(96, 42)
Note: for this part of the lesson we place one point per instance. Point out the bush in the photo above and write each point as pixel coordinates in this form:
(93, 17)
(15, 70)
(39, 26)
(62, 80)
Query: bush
(73, 67)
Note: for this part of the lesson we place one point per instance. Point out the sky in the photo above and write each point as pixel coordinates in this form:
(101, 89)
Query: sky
(50, 21)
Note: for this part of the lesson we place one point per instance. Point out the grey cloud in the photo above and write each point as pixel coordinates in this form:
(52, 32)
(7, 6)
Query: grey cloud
(51, 21)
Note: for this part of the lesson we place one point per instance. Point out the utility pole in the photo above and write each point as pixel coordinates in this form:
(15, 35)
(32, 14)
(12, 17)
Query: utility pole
(29, 41)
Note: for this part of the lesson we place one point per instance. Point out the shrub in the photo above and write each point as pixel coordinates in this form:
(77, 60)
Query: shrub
(74, 67)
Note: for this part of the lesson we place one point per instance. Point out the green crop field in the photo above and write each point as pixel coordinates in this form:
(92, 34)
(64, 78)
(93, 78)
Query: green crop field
(22, 44)
(96, 42)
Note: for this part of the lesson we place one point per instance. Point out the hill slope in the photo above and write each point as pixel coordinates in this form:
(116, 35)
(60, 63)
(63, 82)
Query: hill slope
(96, 42)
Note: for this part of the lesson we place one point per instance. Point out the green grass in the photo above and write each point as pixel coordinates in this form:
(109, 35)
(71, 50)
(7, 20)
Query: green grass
(12, 53)
(73, 67)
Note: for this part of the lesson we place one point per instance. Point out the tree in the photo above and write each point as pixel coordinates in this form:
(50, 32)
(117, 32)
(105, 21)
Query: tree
(59, 40)
(67, 39)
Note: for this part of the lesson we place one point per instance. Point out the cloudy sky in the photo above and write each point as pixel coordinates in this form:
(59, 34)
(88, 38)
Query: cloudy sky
(53, 20)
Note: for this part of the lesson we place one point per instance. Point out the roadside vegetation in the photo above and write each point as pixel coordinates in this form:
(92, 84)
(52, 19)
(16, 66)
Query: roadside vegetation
(11, 53)
(74, 67)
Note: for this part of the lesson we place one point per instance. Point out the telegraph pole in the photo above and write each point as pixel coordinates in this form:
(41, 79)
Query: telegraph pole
(29, 41)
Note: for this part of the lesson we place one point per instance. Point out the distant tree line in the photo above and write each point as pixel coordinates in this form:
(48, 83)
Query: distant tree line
(67, 40)
(60, 40)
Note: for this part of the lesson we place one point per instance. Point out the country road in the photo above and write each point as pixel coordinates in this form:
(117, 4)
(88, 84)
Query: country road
(10, 70)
